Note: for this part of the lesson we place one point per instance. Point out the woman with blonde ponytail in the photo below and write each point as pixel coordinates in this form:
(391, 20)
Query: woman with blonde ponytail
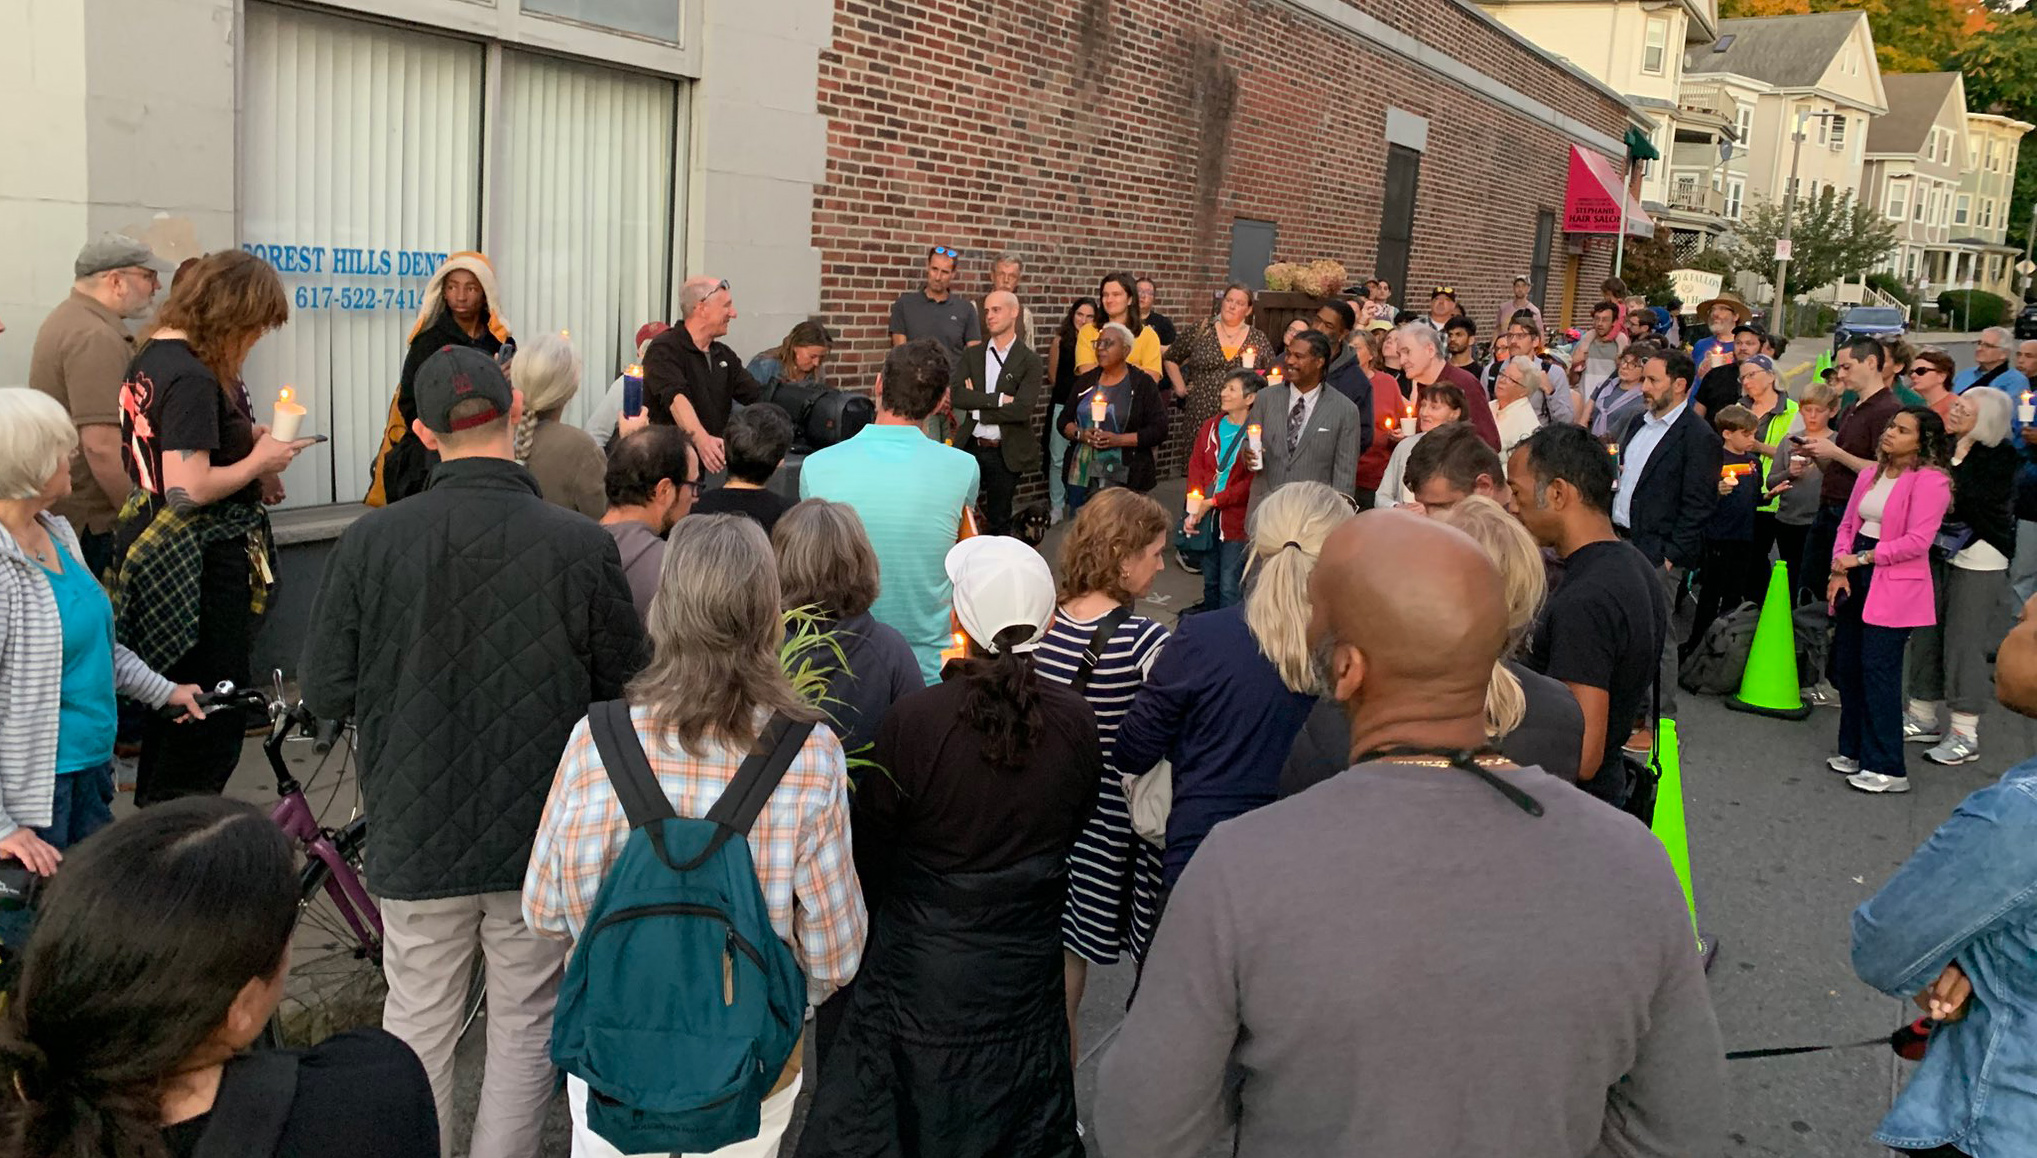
(1532, 719)
(1229, 692)
(566, 461)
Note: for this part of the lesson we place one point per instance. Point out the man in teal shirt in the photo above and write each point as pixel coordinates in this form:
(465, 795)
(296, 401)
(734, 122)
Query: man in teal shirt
(910, 492)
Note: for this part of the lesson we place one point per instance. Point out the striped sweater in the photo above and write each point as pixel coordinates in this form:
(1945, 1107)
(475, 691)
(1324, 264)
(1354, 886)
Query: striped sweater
(32, 670)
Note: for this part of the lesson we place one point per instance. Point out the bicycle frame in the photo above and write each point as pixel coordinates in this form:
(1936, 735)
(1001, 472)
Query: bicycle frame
(292, 814)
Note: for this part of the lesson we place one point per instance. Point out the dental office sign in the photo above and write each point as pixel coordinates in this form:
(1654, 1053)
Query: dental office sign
(323, 277)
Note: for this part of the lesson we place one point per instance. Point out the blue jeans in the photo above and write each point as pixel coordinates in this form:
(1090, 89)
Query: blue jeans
(1223, 572)
(1057, 450)
(82, 806)
(1077, 495)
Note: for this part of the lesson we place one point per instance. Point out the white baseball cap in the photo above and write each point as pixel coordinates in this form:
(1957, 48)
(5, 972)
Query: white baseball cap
(999, 583)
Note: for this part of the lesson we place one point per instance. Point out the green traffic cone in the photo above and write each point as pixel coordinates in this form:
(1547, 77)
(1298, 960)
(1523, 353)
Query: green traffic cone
(1819, 367)
(1768, 685)
(1669, 826)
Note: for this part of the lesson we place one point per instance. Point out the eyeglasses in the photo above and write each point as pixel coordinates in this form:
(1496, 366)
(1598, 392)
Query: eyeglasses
(688, 482)
(944, 251)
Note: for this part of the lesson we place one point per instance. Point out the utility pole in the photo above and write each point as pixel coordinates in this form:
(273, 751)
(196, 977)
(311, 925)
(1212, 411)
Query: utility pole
(2029, 235)
(1778, 318)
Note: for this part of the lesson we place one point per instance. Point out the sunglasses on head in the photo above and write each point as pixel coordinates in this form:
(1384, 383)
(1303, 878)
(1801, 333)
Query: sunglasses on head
(1442, 290)
(944, 251)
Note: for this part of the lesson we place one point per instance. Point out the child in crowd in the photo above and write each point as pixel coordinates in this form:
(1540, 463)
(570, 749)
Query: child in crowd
(756, 441)
(1796, 476)
(1726, 580)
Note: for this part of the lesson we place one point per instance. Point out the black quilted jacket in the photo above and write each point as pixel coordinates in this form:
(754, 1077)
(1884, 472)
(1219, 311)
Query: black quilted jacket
(465, 630)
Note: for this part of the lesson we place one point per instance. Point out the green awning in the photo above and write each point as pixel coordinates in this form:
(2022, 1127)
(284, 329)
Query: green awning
(1639, 147)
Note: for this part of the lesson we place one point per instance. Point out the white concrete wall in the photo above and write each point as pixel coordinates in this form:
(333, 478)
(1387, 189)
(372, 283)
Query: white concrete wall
(97, 140)
(759, 148)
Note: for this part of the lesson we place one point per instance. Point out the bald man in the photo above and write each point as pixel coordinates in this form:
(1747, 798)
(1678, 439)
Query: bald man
(1391, 959)
(1001, 385)
(692, 380)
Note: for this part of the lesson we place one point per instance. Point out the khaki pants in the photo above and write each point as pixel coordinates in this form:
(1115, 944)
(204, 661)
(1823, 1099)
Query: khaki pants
(772, 1122)
(428, 954)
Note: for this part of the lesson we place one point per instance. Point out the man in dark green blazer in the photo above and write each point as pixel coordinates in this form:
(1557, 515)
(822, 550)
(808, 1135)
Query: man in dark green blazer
(1000, 388)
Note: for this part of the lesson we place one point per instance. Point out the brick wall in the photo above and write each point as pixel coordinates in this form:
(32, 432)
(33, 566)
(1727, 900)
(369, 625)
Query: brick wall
(1092, 135)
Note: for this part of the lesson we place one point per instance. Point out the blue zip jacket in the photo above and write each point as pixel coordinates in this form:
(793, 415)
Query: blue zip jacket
(1968, 895)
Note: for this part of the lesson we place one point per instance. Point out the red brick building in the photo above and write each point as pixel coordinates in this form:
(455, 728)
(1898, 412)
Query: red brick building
(1169, 136)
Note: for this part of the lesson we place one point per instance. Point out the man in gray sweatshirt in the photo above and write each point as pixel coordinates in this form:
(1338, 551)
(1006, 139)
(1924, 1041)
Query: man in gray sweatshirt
(1433, 954)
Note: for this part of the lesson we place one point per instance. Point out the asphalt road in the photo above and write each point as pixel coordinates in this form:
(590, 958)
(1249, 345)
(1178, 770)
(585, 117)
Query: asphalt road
(1782, 851)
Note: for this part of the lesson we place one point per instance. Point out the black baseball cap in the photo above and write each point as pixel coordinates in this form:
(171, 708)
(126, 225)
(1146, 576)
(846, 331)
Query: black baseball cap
(454, 375)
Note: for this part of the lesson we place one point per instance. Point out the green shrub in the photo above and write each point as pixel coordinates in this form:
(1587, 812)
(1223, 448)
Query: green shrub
(1811, 319)
(1974, 309)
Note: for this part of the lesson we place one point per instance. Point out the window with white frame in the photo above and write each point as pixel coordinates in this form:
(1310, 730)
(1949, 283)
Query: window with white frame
(1973, 153)
(1743, 124)
(1824, 128)
(1736, 192)
(1910, 264)
(1962, 209)
(364, 164)
(1898, 200)
(1987, 212)
(1839, 131)
(1655, 50)
(1931, 145)
(1918, 209)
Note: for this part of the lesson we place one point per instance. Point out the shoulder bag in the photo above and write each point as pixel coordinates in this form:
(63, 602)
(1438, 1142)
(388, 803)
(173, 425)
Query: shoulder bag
(1148, 798)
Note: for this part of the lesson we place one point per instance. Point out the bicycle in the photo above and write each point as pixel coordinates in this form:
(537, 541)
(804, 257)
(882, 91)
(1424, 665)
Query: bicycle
(335, 981)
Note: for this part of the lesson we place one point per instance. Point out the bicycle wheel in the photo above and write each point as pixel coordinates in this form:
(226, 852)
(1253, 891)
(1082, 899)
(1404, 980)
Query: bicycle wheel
(336, 982)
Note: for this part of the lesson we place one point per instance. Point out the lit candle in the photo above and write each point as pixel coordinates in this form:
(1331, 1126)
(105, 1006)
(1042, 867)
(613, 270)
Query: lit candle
(289, 415)
(1613, 448)
(1252, 438)
(1408, 422)
(2026, 413)
(960, 649)
(1274, 377)
(1734, 470)
(1250, 357)
(1195, 501)
(632, 390)
(1098, 407)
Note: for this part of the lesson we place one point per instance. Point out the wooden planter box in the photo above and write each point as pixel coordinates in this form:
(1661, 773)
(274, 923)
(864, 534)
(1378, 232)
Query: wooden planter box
(1272, 310)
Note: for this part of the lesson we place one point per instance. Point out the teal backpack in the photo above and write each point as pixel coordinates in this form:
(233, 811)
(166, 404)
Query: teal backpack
(680, 1005)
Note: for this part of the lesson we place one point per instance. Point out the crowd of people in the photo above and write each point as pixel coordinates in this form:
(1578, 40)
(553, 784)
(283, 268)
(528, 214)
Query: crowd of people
(701, 769)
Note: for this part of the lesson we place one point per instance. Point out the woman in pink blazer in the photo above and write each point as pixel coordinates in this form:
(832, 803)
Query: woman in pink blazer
(1881, 588)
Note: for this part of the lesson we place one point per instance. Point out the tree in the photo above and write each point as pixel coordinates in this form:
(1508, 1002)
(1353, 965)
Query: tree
(1909, 35)
(1832, 238)
(2001, 77)
(1647, 263)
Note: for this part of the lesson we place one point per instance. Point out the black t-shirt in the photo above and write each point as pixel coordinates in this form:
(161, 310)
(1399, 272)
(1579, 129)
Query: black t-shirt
(1603, 628)
(764, 506)
(171, 401)
(358, 1093)
(1718, 389)
(1162, 327)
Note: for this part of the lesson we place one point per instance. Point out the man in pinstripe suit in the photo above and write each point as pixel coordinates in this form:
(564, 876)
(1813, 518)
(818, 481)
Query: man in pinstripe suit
(1306, 432)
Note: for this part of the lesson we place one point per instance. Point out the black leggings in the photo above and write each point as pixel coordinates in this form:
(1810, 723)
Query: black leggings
(197, 758)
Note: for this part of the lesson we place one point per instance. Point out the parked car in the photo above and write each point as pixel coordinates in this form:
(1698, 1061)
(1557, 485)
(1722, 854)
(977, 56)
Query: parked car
(1868, 322)
(2026, 321)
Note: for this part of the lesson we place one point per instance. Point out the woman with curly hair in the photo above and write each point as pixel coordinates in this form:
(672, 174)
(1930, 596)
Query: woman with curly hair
(194, 563)
(1881, 588)
(1100, 646)
(565, 460)
(955, 1040)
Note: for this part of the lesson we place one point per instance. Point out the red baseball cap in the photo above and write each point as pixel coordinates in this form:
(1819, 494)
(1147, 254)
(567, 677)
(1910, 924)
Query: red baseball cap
(650, 330)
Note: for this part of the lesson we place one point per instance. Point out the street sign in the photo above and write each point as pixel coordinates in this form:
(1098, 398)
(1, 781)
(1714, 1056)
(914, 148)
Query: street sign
(2026, 267)
(1782, 249)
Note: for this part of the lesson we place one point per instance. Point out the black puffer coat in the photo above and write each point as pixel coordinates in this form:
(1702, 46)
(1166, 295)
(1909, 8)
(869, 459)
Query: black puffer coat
(955, 1042)
(465, 631)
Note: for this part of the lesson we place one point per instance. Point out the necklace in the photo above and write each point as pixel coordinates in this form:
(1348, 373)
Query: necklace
(1445, 762)
(40, 554)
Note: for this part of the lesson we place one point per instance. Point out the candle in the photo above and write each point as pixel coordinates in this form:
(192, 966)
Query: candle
(632, 390)
(1098, 407)
(1252, 438)
(289, 415)
(960, 649)
(1734, 470)
(1408, 422)
(1273, 377)
(2026, 413)
(1250, 357)
(1613, 448)
(1195, 501)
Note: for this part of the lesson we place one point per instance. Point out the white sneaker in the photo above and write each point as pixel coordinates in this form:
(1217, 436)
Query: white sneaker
(1956, 749)
(1918, 730)
(1821, 695)
(1876, 782)
(1843, 765)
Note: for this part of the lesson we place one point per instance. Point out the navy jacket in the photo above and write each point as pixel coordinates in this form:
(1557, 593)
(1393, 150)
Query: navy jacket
(1217, 709)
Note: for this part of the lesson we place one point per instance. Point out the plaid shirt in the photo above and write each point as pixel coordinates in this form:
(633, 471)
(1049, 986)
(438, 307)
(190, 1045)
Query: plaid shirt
(800, 844)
